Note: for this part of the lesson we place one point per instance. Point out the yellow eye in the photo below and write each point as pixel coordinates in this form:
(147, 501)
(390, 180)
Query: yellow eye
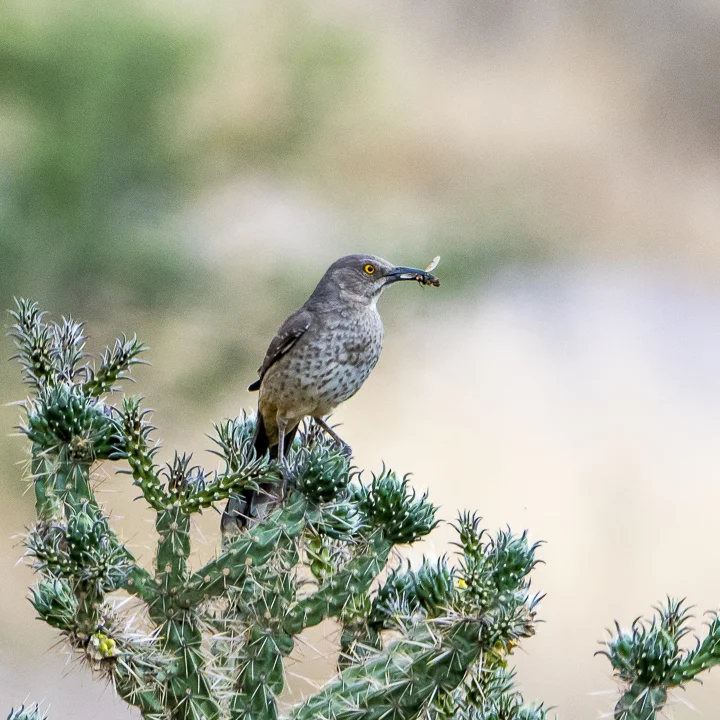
(369, 269)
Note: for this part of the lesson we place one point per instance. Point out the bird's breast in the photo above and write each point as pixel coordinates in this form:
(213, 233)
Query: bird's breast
(349, 350)
(329, 366)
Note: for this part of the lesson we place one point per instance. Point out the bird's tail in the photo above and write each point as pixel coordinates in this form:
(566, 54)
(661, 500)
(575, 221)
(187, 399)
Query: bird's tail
(261, 441)
(244, 508)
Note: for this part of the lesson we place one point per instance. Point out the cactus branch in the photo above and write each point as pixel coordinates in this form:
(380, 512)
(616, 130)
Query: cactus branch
(34, 341)
(340, 588)
(115, 366)
(400, 681)
(249, 550)
(139, 455)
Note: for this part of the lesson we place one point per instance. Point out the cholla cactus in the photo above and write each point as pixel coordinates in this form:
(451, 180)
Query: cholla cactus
(428, 642)
(649, 660)
(431, 642)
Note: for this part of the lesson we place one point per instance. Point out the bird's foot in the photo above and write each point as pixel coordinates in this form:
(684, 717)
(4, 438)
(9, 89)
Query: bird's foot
(343, 447)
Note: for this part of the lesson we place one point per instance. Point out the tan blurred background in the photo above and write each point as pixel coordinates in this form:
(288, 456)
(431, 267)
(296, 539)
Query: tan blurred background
(187, 170)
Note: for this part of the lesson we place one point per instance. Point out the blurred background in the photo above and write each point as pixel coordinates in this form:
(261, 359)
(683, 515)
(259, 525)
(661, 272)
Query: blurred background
(186, 170)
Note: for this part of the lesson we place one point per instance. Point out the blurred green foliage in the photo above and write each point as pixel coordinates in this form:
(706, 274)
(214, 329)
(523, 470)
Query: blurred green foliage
(92, 168)
(311, 67)
(99, 157)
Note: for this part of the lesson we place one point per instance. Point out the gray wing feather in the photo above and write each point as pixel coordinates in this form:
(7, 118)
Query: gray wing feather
(285, 338)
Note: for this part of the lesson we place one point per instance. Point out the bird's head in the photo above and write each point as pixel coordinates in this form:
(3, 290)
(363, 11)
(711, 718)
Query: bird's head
(365, 276)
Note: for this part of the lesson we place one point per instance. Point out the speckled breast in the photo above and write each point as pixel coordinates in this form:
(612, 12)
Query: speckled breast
(342, 358)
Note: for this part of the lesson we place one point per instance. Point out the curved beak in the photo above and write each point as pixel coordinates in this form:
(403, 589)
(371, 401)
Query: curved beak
(409, 273)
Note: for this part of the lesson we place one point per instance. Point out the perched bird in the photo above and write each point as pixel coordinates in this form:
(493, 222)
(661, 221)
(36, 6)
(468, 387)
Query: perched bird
(320, 357)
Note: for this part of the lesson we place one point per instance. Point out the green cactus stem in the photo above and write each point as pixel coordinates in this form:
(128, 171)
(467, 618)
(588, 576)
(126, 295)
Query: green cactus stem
(640, 702)
(139, 456)
(403, 679)
(253, 549)
(47, 503)
(340, 588)
(261, 608)
(189, 693)
(173, 528)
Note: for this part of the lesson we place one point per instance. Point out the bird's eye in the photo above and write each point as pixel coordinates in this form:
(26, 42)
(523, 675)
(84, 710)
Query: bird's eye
(369, 269)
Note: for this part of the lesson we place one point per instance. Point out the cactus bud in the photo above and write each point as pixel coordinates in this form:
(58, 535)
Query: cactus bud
(55, 603)
(323, 473)
(62, 416)
(390, 505)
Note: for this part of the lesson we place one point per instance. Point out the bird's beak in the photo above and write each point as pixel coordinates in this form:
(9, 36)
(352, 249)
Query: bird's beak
(408, 273)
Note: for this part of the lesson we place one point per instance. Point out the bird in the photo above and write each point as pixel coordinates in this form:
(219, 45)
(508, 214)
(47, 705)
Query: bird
(319, 358)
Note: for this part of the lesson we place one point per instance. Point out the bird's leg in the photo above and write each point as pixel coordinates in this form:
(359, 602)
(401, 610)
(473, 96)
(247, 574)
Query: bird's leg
(282, 424)
(282, 427)
(345, 449)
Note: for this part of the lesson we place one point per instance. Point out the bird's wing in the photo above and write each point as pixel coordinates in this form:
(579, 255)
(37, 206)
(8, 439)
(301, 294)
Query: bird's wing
(288, 334)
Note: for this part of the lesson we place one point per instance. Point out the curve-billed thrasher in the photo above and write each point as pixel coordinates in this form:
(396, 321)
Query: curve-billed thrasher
(319, 358)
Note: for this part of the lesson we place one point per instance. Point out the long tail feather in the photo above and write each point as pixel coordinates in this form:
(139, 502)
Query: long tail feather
(244, 508)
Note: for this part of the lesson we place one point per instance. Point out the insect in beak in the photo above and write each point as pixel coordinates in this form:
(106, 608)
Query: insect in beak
(424, 277)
